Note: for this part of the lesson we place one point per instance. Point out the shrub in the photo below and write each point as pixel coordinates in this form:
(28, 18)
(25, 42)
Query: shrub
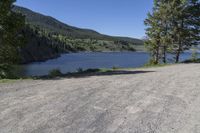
(92, 70)
(194, 56)
(115, 68)
(55, 73)
(6, 72)
(192, 61)
(151, 62)
(80, 70)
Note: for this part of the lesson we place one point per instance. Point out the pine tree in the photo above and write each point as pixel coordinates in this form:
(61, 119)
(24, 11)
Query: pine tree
(153, 41)
(185, 25)
(193, 20)
(11, 34)
(177, 24)
(154, 32)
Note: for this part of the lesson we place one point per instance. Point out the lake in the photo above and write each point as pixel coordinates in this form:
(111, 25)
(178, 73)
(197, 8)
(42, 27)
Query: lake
(71, 62)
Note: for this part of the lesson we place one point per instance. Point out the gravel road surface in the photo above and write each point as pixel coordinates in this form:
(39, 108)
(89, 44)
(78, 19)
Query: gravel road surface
(153, 100)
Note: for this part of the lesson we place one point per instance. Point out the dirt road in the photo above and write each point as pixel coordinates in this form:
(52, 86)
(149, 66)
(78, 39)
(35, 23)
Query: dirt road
(153, 100)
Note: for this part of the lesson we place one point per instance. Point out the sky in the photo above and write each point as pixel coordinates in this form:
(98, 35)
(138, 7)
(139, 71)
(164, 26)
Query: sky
(111, 17)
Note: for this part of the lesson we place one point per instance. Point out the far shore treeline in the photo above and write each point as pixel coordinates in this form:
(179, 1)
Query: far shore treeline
(172, 27)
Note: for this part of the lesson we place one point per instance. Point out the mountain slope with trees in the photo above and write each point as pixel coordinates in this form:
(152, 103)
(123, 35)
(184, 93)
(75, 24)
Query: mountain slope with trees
(48, 38)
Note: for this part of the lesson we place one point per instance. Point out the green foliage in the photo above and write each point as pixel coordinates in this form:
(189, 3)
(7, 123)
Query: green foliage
(80, 70)
(66, 38)
(52, 25)
(152, 62)
(194, 56)
(192, 61)
(173, 27)
(115, 67)
(11, 36)
(55, 73)
(87, 71)
(7, 80)
(92, 70)
(7, 72)
(68, 44)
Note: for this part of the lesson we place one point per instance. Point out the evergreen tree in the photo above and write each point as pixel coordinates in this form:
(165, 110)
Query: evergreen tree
(153, 43)
(185, 25)
(193, 20)
(11, 34)
(177, 25)
(153, 32)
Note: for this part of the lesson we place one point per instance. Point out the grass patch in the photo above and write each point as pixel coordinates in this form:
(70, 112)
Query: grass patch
(192, 61)
(115, 68)
(89, 71)
(15, 80)
(55, 73)
(8, 80)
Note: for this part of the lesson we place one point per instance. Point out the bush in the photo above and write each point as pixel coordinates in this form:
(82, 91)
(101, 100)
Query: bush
(92, 70)
(192, 61)
(6, 72)
(115, 68)
(80, 70)
(151, 62)
(194, 56)
(55, 73)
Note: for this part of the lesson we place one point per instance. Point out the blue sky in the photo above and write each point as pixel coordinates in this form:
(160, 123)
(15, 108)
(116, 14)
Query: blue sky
(111, 17)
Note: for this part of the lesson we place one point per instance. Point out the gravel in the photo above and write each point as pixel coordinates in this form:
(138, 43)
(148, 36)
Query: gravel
(152, 100)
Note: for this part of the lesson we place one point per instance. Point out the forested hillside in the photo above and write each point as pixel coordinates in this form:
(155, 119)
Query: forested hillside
(47, 38)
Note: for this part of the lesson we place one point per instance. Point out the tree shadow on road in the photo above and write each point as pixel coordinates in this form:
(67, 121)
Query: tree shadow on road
(95, 72)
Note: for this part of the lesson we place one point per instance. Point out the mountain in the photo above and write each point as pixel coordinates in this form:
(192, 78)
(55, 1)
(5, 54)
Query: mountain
(48, 38)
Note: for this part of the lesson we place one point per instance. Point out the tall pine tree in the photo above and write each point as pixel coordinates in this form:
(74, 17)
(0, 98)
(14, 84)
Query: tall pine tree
(178, 24)
(11, 37)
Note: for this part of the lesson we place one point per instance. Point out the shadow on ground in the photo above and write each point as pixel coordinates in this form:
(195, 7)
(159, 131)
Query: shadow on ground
(89, 74)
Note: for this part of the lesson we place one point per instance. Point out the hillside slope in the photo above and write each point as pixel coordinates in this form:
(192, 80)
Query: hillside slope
(61, 37)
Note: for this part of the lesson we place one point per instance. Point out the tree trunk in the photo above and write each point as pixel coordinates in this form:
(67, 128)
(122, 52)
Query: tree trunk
(157, 53)
(178, 52)
(157, 56)
(164, 54)
(179, 43)
(177, 56)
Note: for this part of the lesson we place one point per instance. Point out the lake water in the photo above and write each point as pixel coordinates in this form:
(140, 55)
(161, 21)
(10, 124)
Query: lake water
(71, 62)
